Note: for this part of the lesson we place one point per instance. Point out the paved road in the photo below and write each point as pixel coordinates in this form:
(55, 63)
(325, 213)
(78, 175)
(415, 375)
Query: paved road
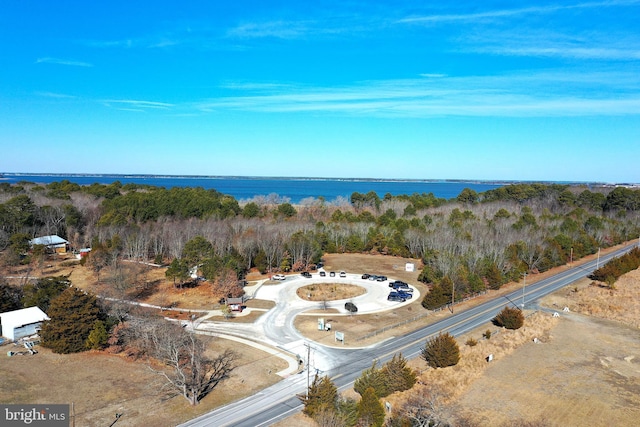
(279, 401)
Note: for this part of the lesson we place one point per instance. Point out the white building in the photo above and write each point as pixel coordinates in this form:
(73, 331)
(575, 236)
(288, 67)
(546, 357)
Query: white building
(54, 243)
(21, 323)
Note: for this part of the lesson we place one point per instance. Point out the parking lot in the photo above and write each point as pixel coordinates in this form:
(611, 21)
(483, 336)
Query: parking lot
(375, 299)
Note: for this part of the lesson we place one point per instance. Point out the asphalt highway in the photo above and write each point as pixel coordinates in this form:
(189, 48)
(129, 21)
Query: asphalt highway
(279, 401)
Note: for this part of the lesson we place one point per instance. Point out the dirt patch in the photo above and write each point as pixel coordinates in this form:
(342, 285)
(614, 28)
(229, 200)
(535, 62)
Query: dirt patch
(329, 292)
(587, 373)
(100, 385)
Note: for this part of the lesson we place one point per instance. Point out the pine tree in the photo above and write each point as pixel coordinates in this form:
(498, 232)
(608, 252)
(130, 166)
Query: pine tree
(322, 395)
(370, 410)
(397, 375)
(373, 378)
(73, 316)
(441, 351)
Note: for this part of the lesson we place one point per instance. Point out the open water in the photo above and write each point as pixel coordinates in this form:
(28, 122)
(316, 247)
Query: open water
(290, 189)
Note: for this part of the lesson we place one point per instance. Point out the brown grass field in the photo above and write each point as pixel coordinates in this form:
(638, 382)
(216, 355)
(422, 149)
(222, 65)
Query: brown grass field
(582, 365)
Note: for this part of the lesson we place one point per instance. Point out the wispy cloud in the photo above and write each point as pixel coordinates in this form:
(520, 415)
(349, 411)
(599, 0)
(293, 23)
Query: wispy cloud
(136, 105)
(275, 29)
(592, 45)
(55, 95)
(506, 13)
(49, 60)
(515, 95)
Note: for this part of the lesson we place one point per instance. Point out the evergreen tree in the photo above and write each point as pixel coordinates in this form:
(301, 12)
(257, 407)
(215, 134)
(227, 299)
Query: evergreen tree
(73, 316)
(321, 396)
(370, 410)
(372, 378)
(397, 375)
(441, 351)
(178, 271)
(510, 318)
(98, 336)
(436, 297)
(10, 297)
(42, 292)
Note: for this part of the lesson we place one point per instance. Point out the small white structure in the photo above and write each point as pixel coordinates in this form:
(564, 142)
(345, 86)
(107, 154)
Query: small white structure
(409, 266)
(21, 323)
(54, 243)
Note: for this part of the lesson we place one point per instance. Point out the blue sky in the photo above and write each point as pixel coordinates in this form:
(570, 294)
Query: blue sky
(520, 90)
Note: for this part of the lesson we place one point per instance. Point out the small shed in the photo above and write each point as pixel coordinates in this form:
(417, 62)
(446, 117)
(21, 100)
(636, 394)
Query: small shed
(21, 323)
(53, 243)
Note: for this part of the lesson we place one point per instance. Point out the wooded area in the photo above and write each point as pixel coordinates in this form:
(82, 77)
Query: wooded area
(467, 244)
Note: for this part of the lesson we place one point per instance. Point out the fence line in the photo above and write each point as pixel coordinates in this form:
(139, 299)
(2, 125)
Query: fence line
(414, 318)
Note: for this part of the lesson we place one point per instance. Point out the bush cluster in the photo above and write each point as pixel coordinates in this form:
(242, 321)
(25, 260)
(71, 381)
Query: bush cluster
(611, 271)
(510, 318)
(441, 351)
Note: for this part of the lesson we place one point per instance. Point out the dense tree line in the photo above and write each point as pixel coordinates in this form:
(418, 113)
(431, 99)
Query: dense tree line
(611, 271)
(474, 242)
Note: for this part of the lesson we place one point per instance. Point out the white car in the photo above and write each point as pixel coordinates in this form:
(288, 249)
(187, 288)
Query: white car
(343, 274)
(278, 277)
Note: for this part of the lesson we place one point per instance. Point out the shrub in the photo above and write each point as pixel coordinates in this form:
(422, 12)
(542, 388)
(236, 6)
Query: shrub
(487, 334)
(510, 318)
(441, 351)
(471, 342)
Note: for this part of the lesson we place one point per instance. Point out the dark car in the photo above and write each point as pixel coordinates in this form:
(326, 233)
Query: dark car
(332, 274)
(403, 294)
(306, 274)
(400, 285)
(381, 278)
(365, 276)
(394, 296)
(323, 274)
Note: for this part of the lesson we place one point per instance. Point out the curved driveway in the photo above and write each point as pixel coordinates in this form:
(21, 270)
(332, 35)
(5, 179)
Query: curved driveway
(276, 328)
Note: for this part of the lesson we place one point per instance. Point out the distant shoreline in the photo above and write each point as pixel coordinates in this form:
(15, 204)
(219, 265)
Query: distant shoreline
(7, 175)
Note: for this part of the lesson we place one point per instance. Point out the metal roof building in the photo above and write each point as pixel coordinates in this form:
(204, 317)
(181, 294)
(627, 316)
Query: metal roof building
(21, 323)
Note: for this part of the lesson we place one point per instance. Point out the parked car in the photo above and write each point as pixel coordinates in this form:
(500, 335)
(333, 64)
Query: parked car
(400, 285)
(350, 307)
(403, 294)
(332, 274)
(278, 277)
(365, 276)
(381, 278)
(306, 274)
(394, 296)
(373, 277)
(396, 282)
(343, 274)
(323, 274)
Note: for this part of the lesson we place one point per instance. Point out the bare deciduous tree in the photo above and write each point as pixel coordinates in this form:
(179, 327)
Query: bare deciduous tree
(189, 371)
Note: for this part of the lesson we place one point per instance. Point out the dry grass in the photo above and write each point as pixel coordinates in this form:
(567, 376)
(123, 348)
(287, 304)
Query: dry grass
(329, 292)
(100, 385)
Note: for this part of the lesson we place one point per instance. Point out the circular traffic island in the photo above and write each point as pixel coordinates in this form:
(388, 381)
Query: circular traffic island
(329, 291)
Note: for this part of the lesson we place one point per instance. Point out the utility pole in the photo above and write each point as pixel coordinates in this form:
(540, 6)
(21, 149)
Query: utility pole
(598, 260)
(524, 282)
(308, 364)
